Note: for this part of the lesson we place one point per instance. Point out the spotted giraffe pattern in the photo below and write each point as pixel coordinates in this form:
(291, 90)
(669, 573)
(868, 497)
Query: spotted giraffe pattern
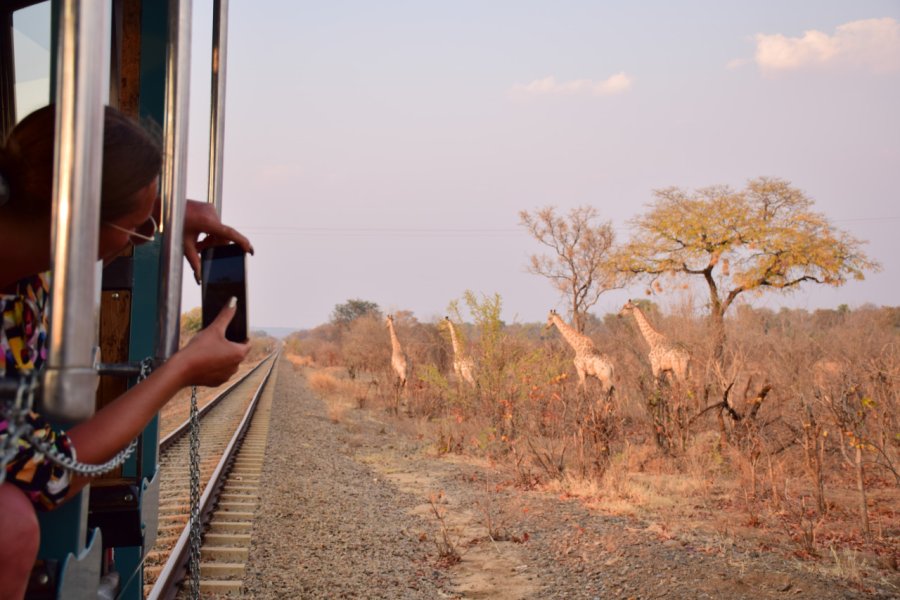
(664, 356)
(399, 361)
(589, 362)
(463, 365)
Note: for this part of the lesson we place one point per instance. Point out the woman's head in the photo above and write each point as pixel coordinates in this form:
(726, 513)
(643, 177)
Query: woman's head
(131, 162)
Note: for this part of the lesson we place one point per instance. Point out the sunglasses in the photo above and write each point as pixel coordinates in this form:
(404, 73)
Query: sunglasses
(145, 232)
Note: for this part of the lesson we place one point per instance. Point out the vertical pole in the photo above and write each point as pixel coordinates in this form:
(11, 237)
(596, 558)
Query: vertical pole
(70, 379)
(217, 102)
(174, 173)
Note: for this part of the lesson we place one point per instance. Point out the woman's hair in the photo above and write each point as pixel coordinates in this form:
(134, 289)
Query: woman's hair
(131, 161)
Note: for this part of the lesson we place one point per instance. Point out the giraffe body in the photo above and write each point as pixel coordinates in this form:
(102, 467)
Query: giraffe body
(399, 361)
(664, 356)
(589, 362)
(463, 365)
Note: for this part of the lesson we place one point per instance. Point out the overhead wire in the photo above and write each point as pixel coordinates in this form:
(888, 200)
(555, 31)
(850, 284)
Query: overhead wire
(440, 231)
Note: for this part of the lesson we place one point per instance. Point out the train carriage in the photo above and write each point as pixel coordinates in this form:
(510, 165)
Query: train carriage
(133, 55)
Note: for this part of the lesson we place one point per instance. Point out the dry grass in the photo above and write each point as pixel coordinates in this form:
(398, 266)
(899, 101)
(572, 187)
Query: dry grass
(728, 452)
(299, 360)
(340, 393)
(323, 383)
(446, 548)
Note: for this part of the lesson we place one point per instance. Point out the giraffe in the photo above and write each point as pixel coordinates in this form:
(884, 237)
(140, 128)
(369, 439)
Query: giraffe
(463, 365)
(399, 362)
(589, 362)
(664, 356)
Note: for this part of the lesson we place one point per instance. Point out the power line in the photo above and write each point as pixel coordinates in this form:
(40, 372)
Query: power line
(441, 231)
(393, 231)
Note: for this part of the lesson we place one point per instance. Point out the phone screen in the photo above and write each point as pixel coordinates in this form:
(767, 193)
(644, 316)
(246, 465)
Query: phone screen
(223, 276)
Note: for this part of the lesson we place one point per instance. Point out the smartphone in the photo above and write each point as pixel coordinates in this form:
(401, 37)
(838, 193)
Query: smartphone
(223, 275)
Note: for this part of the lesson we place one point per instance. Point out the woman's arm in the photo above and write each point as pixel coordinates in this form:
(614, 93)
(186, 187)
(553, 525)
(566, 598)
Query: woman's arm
(209, 360)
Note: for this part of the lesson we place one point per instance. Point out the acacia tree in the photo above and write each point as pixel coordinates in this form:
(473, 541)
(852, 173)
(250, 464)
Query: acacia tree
(579, 265)
(346, 313)
(766, 237)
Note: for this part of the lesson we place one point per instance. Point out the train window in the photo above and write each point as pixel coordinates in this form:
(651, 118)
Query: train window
(31, 52)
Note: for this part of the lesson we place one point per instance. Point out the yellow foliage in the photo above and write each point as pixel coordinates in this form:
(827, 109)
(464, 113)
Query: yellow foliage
(764, 237)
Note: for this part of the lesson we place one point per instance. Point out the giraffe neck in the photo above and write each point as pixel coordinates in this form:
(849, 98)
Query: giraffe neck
(653, 337)
(457, 347)
(580, 343)
(395, 343)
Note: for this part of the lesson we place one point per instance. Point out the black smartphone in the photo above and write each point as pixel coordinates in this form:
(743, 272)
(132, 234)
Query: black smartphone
(223, 275)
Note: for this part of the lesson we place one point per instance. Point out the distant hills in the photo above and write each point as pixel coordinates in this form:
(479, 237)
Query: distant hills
(276, 332)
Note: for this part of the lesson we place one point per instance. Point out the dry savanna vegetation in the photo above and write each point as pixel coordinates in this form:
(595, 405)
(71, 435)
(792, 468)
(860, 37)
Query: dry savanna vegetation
(780, 428)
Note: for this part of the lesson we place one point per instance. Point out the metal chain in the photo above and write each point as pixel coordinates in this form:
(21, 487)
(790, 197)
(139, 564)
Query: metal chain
(195, 496)
(20, 429)
(17, 427)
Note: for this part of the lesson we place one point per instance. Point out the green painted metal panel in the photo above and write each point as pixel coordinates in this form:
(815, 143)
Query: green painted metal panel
(145, 293)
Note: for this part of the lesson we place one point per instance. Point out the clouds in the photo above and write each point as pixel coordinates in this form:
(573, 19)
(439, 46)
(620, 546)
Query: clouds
(870, 44)
(549, 86)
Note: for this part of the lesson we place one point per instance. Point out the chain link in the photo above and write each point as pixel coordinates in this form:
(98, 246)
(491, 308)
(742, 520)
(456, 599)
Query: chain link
(195, 496)
(18, 429)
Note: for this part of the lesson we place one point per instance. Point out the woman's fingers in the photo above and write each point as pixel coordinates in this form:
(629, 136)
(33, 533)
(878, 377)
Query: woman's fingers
(220, 323)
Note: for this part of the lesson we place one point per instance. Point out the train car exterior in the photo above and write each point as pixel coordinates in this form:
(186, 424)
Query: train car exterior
(133, 55)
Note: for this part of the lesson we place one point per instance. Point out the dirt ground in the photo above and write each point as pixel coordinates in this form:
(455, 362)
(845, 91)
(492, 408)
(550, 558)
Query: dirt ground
(359, 507)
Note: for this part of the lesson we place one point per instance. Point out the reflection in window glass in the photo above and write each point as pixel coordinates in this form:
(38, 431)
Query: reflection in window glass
(31, 49)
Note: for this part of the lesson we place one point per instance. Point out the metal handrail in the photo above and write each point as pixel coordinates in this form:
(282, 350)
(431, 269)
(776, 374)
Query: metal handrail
(217, 103)
(70, 380)
(174, 174)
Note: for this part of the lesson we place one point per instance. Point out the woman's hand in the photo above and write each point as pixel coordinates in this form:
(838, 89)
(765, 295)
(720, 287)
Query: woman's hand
(209, 359)
(201, 218)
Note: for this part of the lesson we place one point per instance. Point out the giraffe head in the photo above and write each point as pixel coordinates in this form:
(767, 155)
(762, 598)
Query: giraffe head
(629, 306)
(389, 320)
(550, 319)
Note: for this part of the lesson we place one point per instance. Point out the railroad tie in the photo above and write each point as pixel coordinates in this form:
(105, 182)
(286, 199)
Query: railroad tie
(226, 544)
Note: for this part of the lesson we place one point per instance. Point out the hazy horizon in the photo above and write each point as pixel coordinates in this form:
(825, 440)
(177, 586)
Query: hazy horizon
(384, 152)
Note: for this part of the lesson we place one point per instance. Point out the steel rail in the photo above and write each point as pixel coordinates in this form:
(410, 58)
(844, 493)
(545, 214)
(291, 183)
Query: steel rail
(181, 430)
(175, 567)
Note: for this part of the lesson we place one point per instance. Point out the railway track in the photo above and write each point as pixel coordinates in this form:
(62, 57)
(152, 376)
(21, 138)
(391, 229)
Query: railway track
(233, 432)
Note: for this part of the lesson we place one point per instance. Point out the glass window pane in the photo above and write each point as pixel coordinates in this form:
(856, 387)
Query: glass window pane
(31, 48)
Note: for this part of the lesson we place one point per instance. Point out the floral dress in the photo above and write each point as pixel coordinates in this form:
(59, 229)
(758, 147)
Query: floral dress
(23, 349)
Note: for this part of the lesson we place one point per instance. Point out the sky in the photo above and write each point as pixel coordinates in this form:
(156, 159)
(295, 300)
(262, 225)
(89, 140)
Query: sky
(383, 151)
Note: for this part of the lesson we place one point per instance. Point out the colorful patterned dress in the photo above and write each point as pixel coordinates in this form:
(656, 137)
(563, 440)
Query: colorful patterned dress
(23, 349)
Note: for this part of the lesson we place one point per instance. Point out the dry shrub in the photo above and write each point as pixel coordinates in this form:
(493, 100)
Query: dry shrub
(588, 489)
(703, 459)
(364, 345)
(300, 360)
(323, 383)
(448, 554)
(339, 393)
(336, 410)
